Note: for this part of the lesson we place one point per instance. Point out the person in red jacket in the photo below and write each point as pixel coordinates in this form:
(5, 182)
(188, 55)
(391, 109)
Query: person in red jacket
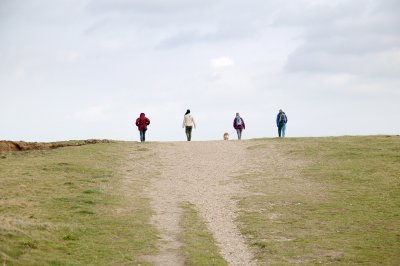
(142, 122)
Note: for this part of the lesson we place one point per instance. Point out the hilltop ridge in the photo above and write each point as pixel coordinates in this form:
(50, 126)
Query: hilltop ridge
(9, 146)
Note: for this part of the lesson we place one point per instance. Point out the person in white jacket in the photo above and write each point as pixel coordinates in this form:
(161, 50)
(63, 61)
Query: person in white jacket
(188, 124)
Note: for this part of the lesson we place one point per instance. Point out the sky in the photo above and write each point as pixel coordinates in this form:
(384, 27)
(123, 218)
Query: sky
(84, 69)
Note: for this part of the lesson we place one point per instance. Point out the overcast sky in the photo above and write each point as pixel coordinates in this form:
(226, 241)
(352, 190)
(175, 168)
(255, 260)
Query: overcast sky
(79, 69)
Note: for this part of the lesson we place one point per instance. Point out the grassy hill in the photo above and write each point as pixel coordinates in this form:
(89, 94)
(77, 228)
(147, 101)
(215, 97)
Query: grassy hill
(325, 200)
(65, 207)
(313, 200)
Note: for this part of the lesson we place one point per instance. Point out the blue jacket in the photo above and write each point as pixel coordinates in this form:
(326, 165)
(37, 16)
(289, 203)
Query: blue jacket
(278, 119)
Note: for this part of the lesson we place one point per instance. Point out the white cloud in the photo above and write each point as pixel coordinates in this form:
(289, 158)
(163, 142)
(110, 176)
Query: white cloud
(118, 58)
(220, 62)
(72, 56)
(91, 114)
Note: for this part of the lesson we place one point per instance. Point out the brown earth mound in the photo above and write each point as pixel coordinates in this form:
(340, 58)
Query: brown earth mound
(10, 146)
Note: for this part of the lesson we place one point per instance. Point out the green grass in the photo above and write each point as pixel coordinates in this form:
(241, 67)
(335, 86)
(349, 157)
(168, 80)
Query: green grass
(198, 244)
(338, 202)
(64, 207)
(315, 201)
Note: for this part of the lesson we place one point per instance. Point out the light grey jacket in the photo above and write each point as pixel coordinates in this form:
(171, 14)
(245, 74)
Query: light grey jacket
(188, 121)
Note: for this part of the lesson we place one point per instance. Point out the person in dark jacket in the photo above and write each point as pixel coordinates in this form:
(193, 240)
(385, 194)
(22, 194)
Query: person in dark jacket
(238, 124)
(142, 122)
(281, 120)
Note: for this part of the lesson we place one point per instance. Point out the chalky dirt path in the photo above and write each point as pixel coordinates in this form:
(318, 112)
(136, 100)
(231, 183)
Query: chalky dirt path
(201, 173)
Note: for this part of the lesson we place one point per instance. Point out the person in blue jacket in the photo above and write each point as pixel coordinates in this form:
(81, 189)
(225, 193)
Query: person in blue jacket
(281, 120)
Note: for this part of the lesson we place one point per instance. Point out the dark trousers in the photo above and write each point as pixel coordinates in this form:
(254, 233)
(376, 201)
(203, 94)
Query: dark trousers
(188, 131)
(281, 130)
(142, 135)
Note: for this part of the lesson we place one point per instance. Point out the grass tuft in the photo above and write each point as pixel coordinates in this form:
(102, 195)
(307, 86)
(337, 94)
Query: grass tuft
(198, 244)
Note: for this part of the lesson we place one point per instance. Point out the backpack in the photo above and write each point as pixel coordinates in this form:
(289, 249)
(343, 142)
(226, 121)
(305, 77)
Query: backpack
(239, 121)
(282, 118)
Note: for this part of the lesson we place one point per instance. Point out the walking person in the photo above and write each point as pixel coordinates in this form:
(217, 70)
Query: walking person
(238, 124)
(188, 124)
(281, 120)
(142, 122)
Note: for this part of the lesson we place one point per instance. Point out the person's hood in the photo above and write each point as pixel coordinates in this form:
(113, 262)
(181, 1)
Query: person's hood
(141, 114)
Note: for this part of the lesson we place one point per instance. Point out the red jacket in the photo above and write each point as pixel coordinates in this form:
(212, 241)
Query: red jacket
(142, 122)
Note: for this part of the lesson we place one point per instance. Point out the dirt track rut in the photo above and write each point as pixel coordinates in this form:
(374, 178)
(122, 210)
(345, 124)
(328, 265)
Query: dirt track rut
(201, 173)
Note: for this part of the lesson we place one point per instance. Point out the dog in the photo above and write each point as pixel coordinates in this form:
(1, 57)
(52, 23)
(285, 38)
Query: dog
(226, 136)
